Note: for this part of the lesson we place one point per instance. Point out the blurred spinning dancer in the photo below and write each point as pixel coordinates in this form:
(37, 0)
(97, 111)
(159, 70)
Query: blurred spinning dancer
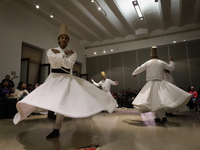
(59, 92)
(158, 95)
(105, 83)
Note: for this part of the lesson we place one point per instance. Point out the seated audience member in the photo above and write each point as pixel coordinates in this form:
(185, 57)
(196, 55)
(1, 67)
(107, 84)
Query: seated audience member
(35, 85)
(5, 90)
(129, 93)
(21, 91)
(133, 94)
(11, 83)
(120, 93)
(124, 99)
(192, 103)
(116, 97)
(8, 100)
(198, 102)
(29, 88)
(131, 97)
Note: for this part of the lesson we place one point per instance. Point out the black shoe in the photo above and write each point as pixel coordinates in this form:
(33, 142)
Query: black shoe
(164, 120)
(157, 120)
(53, 134)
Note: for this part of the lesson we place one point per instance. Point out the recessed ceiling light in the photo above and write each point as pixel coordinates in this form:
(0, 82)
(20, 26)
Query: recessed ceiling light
(174, 41)
(184, 40)
(95, 53)
(111, 50)
(37, 6)
(104, 51)
(51, 16)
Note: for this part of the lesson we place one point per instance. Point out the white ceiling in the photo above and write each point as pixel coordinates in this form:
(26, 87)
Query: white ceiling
(121, 23)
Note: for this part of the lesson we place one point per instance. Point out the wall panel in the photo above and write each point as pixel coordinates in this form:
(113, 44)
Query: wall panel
(130, 64)
(194, 59)
(92, 68)
(116, 66)
(143, 55)
(181, 72)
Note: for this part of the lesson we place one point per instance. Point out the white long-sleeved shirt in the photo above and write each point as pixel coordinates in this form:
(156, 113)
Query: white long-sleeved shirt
(18, 93)
(154, 69)
(61, 59)
(168, 77)
(105, 84)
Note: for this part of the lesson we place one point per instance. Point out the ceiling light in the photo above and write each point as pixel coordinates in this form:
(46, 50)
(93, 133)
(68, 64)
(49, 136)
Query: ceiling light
(51, 16)
(37, 6)
(174, 41)
(95, 53)
(184, 40)
(99, 7)
(104, 51)
(138, 10)
(111, 50)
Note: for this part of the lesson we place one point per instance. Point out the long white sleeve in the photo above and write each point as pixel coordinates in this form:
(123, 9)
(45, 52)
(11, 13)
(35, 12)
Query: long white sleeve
(54, 59)
(97, 84)
(112, 82)
(69, 61)
(170, 66)
(140, 69)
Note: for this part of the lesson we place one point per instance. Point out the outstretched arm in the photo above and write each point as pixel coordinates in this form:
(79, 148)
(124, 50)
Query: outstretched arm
(171, 65)
(113, 82)
(96, 84)
(140, 69)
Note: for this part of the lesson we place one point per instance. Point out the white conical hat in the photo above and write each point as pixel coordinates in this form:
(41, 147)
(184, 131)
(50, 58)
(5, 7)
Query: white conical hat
(154, 52)
(103, 73)
(63, 30)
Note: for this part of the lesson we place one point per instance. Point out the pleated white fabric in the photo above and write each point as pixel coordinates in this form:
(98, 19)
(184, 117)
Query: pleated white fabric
(67, 95)
(157, 95)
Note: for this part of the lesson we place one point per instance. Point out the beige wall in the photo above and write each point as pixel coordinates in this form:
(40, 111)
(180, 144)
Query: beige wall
(18, 25)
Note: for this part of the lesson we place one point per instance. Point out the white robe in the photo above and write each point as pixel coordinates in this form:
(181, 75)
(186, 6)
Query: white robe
(64, 93)
(157, 93)
(168, 77)
(105, 85)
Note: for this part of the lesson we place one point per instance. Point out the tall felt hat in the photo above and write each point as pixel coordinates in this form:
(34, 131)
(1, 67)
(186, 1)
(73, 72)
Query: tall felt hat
(63, 30)
(103, 73)
(154, 52)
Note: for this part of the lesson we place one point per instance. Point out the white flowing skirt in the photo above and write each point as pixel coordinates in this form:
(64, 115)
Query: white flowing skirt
(67, 95)
(157, 95)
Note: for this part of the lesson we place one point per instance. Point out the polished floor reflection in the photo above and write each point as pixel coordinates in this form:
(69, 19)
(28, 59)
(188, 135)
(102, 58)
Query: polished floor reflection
(125, 129)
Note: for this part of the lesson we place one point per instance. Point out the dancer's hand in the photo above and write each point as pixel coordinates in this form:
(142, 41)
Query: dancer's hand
(170, 58)
(68, 52)
(135, 76)
(55, 51)
(116, 82)
(92, 80)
